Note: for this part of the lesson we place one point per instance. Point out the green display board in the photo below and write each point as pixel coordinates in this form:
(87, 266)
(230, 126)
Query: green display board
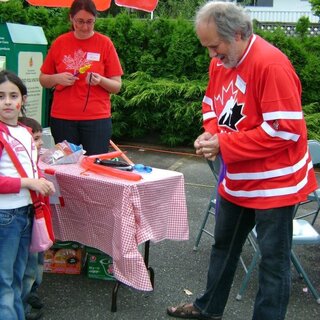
(22, 50)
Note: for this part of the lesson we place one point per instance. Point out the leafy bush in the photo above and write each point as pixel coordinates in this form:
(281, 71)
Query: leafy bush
(12, 11)
(312, 116)
(161, 47)
(302, 26)
(167, 109)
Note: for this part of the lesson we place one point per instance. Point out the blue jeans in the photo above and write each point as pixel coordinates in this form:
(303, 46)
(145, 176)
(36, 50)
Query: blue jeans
(15, 235)
(94, 135)
(32, 278)
(274, 232)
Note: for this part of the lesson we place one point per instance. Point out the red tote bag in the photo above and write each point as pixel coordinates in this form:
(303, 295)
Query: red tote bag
(42, 230)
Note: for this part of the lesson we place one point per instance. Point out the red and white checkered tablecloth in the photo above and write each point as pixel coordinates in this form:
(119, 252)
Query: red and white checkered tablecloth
(116, 215)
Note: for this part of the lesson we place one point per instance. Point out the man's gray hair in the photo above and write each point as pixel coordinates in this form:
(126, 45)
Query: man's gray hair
(228, 17)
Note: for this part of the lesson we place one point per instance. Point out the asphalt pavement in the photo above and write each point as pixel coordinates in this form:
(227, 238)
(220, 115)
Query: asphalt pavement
(180, 272)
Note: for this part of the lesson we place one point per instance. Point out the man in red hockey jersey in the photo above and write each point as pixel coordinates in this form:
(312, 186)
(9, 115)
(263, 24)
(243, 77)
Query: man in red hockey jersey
(253, 120)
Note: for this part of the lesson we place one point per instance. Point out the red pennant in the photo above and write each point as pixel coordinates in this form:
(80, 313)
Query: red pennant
(101, 5)
(145, 5)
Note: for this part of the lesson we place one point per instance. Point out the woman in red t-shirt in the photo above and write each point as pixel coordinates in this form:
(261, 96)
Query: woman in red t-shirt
(84, 69)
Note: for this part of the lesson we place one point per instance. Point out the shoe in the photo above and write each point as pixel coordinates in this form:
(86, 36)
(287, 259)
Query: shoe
(34, 315)
(185, 311)
(35, 302)
(188, 311)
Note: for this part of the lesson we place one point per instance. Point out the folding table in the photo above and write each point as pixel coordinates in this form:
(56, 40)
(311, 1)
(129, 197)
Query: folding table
(116, 216)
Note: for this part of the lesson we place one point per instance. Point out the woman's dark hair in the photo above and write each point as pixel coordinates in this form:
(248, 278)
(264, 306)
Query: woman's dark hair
(87, 5)
(6, 75)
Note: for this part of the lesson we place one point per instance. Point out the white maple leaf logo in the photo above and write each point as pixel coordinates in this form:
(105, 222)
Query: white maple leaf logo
(77, 61)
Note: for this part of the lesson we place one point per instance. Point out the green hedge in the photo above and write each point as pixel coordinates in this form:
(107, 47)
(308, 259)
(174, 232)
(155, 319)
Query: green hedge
(166, 70)
(162, 47)
(166, 110)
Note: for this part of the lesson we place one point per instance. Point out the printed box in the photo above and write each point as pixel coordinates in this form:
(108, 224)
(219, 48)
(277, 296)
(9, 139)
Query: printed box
(64, 257)
(99, 265)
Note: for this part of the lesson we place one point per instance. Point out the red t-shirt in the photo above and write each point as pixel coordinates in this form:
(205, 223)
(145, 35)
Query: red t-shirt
(68, 54)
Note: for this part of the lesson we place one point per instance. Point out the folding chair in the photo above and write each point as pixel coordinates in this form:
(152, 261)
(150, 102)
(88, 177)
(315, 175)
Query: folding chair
(303, 234)
(314, 197)
(215, 168)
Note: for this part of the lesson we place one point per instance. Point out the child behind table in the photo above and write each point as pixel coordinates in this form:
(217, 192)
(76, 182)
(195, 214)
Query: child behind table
(16, 210)
(36, 128)
(34, 270)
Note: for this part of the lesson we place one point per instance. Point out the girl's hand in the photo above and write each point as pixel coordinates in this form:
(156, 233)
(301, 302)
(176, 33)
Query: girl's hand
(43, 186)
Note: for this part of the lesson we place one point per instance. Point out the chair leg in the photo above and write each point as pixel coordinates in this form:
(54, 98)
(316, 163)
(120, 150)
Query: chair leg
(296, 266)
(296, 208)
(246, 279)
(296, 262)
(314, 213)
(215, 168)
(315, 216)
(195, 248)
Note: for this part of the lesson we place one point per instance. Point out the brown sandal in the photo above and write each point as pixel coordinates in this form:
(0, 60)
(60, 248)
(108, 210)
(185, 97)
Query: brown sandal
(186, 311)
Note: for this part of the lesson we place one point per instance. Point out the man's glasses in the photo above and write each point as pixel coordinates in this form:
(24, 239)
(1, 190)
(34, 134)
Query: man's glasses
(81, 22)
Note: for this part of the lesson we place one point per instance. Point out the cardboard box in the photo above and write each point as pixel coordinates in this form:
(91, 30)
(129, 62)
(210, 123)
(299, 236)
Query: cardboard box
(99, 265)
(64, 257)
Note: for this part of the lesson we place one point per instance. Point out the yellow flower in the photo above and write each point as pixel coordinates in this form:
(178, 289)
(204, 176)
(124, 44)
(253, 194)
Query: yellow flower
(84, 68)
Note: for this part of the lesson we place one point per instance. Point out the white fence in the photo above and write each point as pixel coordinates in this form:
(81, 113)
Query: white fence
(289, 28)
(280, 16)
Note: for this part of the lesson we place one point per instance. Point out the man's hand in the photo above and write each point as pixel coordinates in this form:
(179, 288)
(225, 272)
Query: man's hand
(207, 145)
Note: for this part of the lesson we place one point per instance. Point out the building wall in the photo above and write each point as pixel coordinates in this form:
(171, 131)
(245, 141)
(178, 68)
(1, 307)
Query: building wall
(282, 5)
(281, 11)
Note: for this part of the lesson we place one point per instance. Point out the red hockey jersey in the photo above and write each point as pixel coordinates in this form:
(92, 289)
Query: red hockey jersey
(255, 108)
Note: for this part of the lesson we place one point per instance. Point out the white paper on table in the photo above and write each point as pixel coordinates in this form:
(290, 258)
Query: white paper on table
(56, 198)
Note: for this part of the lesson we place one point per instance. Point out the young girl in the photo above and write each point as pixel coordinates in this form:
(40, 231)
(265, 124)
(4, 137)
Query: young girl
(16, 212)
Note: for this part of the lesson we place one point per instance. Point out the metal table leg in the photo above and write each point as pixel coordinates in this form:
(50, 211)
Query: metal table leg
(118, 283)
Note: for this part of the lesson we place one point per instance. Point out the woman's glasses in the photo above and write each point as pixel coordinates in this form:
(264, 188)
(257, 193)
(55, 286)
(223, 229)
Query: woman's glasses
(81, 22)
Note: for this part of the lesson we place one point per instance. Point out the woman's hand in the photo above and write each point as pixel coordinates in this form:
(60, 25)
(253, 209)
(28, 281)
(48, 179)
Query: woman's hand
(93, 78)
(63, 79)
(66, 79)
(112, 85)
